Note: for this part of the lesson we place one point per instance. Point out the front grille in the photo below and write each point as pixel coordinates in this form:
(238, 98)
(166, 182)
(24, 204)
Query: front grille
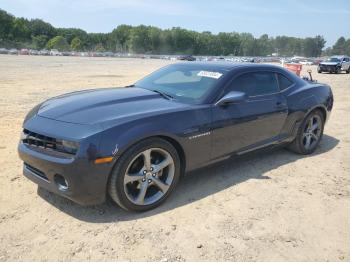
(327, 68)
(43, 142)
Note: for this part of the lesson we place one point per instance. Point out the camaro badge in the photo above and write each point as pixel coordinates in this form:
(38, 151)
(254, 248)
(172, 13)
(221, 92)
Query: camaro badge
(200, 135)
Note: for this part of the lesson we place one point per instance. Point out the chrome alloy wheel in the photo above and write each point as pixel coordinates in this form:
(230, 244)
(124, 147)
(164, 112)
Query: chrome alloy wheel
(149, 176)
(312, 132)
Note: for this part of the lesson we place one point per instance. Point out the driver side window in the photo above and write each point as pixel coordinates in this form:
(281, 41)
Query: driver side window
(255, 83)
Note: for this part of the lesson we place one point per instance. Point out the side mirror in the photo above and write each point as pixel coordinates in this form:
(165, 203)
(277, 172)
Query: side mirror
(231, 98)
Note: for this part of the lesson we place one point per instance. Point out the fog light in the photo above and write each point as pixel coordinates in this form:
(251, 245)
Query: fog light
(61, 182)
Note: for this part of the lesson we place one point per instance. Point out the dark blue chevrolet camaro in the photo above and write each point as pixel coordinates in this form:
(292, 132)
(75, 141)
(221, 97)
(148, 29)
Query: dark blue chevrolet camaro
(135, 143)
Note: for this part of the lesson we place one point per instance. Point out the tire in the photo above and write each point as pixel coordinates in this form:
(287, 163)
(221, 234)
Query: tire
(319, 70)
(338, 70)
(128, 195)
(348, 71)
(299, 144)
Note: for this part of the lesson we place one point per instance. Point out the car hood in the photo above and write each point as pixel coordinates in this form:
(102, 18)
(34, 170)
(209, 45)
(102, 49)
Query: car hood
(329, 63)
(102, 105)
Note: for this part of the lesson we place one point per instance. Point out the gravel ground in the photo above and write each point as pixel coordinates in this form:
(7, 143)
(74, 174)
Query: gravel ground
(272, 206)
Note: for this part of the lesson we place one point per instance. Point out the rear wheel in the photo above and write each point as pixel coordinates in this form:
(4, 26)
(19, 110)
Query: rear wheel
(348, 71)
(145, 175)
(309, 134)
(319, 70)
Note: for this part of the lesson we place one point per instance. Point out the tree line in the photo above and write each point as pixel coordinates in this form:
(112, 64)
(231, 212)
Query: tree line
(37, 34)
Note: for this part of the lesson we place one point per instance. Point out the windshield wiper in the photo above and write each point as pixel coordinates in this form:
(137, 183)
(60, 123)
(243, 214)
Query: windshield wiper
(165, 95)
(130, 86)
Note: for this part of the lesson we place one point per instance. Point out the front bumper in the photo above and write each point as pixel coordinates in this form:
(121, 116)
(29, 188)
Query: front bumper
(86, 181)
(328, 68)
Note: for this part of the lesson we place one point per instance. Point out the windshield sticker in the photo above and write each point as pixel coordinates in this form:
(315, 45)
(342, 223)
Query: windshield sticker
(215, 75)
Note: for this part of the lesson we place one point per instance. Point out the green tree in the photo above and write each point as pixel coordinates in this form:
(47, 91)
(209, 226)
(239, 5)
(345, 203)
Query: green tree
(347, 47)
(95, 39)
(339, 47)
(120, 37)
(59, 43)
(39, 42)
(20, 30)
(264, 45)
(39, 27)
(140, 41)
(6, 23)
(70, 33)
(76, 44)
(247, 44)
(312, 47)
(99, 48)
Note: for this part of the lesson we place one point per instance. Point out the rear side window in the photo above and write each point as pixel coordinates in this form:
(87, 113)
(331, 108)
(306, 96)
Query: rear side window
(284, 82)
(257, 83)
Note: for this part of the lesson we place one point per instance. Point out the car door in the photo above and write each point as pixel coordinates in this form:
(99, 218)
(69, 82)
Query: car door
(345, 63)
(253, 122)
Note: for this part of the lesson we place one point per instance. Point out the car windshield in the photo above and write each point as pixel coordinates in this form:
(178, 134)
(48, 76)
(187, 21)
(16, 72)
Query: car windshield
(333, 59)
(184, 82)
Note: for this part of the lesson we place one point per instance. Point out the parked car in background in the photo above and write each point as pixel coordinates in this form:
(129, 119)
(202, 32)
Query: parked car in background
(55, 52)
(24, 51)
(335, 64)
(66, 53)
(306, 62)
(33, 52)
(44, 52)
(187, 58)
(108, 54)
(248, 59)
(13, 51)
(135, 143)
(4, 51)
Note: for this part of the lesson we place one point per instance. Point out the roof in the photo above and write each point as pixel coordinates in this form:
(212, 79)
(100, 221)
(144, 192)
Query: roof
(228, 66)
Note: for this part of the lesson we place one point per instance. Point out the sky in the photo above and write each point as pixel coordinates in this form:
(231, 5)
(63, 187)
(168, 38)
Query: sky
(299, 18)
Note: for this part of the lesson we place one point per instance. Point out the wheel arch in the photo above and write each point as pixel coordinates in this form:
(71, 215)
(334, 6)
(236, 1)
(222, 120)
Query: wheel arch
(179, 150)
(320, 108)
(175, 143)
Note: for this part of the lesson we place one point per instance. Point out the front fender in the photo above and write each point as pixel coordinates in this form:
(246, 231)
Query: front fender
(136, 135)
(180, 127)
(116, 140)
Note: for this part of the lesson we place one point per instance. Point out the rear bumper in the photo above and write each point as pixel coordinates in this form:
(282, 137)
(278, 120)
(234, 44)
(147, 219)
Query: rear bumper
(86, 181)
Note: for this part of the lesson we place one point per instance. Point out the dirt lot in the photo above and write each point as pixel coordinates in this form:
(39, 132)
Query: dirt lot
(275, 206)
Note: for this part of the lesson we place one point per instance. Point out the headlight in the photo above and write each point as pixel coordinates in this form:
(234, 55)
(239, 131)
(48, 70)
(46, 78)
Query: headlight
(69, 146)
(32, 112)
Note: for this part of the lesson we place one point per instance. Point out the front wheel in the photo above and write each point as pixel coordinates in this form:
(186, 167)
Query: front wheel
(145, 175)
(309, 134)
(319, 70)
